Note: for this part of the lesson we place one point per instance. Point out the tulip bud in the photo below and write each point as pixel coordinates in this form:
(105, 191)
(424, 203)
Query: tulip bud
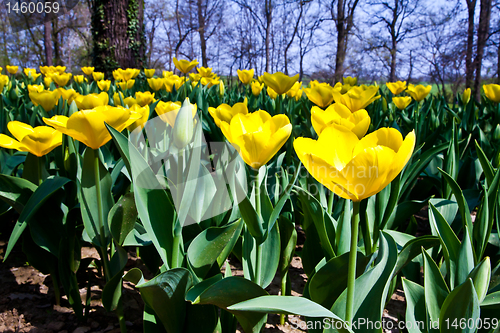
(183, 128)
(384, 104)
(496, 133)
(222, 89)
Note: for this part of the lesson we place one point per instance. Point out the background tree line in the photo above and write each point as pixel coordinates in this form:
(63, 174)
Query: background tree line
(454, 43)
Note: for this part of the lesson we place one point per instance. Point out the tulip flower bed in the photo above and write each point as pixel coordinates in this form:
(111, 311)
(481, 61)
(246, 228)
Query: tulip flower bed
(188, 173)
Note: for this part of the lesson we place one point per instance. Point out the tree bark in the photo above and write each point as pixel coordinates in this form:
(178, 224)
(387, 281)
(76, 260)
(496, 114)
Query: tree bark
(340, 56)
(469, 69)
(268, 11)
(394, 41)
(482, 37)
(118, 34)
(47, 40)
(201, 31)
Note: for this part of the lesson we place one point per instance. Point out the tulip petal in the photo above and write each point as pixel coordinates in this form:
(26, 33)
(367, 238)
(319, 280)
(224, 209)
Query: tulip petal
(336, 144)
(9, 143)
(275, 142)
(19, 130)
(387, 137)
(362, 121)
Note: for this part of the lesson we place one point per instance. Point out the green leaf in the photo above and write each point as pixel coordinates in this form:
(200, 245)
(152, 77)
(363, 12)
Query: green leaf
(153, 206)
(328, 283)
(122, 217)
(123, 146)
(460, 306)
(35, 202)
(165, 295)
(492, 300)
(415, 306)
(465, 260)
(112, 291)
(449, 241)
(16, 191)
(371, 288)
(208, 245)
(459, 196)
(414, 248)
(253, 221)
(288, 241)
(88, 197)
(287, 305)
(234, 290)
(315, 211)
(435, 288)
(485, 164)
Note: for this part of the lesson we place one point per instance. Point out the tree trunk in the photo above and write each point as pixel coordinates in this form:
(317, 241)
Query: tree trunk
(341, 38)
(268, 11)
(47, 40)
(201, 30)
(118, 34)
(392, 75)
(482, 36)
(469, 69)
(394, 41)
(57, 45)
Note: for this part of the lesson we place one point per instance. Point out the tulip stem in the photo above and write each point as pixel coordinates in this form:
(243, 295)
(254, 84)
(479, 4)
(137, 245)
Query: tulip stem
(330, 203)
(178, 226)
(351, 277)
(104, 245)
(258, 254)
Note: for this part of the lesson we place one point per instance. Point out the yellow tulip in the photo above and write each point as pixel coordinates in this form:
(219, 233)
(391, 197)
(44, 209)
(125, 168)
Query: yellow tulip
(292, 93)
(205, 72)
(68, 95)
(116, 98)
(260, 78)
(104, 85)
(174, 81)
(61, 79)
(351, 81)
(47, 99)
(144, 112)
(338, 114)
(166, 74)
(396, 87)
(222, 89)
(91, 101)
(156, 84)
(149, 72)
(185, 66)
(38, 141)
(321, 95)
(87, 126)
(492, 92)
(144, 98)
(12, 69)
(209, 82)
(80, 78)
(256, 87)
(245, 75)
(46, 70)
(4, 80)
(466, 96)
(418, 92)
(167, 111)
(194, 78)
(356, 98)
(224, 112)
(98, 76)
(130, 101)
(1, 69)
(271, 93)
(126, 84)
(401, 102)
(88, 70)
(352, 168)
(280, 82)
(47, 81)
(31, 72)
(35, 88)
(257, 136)
(126, 74)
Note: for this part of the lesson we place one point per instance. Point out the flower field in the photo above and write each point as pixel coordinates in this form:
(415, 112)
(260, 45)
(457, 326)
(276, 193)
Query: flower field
(188, 171)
